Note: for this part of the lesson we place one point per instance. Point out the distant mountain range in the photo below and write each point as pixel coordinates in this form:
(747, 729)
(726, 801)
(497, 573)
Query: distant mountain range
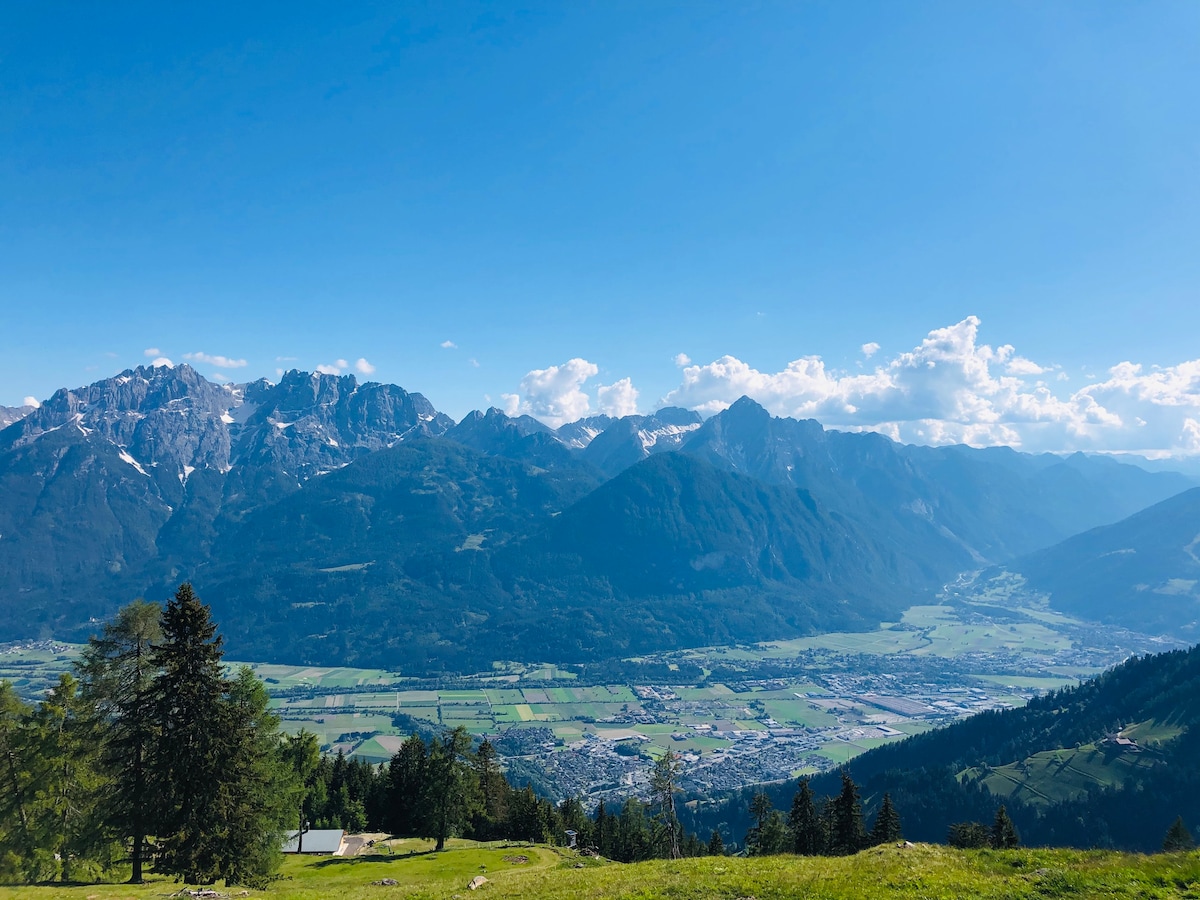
(1142, 572)
(329, 521)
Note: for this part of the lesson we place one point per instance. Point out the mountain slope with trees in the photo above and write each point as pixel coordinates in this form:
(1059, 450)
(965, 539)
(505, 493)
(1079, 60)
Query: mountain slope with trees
(331, 521)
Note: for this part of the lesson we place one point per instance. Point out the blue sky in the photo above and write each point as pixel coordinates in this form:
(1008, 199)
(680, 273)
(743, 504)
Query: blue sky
(617, 184)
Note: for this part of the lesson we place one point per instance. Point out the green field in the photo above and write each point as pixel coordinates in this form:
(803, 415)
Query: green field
(882, 873)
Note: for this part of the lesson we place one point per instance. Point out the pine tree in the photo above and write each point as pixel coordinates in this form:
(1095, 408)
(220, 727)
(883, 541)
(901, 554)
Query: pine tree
(716, 846)
(887, 823)
(847, 825)
(663, 787)
(804, 825)
(1004, 834)
(1178, 838)
(189, 758)
(117, 676)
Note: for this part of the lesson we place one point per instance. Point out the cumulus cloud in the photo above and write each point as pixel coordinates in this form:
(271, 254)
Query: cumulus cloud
(448, 345)
(869, 349)
(364, 367)
(682, 359)
(474, 362)
(954, 389)
(31, 401)
(162, 361)
(151, 351)
(223, 362)
(337, 367)
(553, 394)
(617, 399)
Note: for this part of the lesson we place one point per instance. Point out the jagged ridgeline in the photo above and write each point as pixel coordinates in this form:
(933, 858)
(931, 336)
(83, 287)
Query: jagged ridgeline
(329, 521)
(1109, 763)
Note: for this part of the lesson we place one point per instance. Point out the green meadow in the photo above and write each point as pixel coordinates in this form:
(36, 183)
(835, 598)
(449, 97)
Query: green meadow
(914, 872)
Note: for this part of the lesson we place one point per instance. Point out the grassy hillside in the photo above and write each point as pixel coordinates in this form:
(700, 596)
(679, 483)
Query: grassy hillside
(893, 873)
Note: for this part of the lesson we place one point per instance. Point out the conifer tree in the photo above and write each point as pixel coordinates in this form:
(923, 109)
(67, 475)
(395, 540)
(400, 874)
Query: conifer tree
(17, 787)
(492, 792)
(303, 756)
(663, 787)
(1004, 834)
(804, 825)
(451, 790)
(603, 830)
(1178, 838)
(258, 787)
(847, 824)
(68, 779)
(887, 823)
(407, 784)
(716, 845)
(117, 675)
(760, 812)
(189, 760)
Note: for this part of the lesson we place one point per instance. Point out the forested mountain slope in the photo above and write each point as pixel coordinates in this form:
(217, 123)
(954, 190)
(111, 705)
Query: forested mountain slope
(331, 521)
(1142, 572)
(935, 779)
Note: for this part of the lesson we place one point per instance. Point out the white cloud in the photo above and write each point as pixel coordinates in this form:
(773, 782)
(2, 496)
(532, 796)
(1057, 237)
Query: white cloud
(151, 351)
(448, 345)
(951, 389)
(364, 367)
(474, 362)
(162, 361)
(1020, 366)
(553, 394)
(31, 401)
(869, 349)
(342, 364)
(223, 362)
(286, 358)
(617, 399)
(682, 359)
(326, 369)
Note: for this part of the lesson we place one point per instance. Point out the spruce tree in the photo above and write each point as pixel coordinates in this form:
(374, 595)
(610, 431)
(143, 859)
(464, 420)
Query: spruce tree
(847, 825)
(804, 825)
(189, 759)
(1004, 833)
(887, 823)
(760, 811)
(1178, 838)
(716, 845)
(117, 675)
(303, 756)
(603, 831)
(407, 785)
(493, 793)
